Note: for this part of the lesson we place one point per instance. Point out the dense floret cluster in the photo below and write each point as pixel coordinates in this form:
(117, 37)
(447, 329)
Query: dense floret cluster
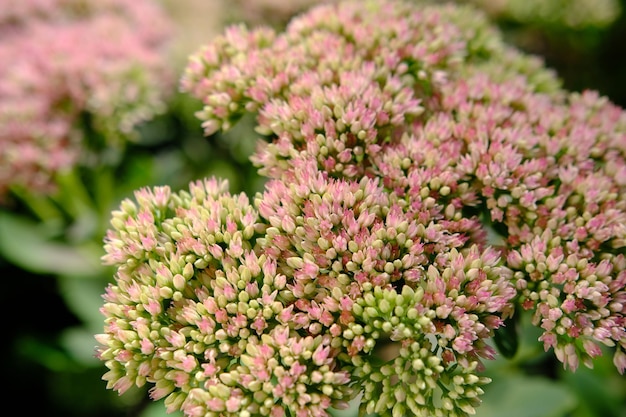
(72, 67)
(425, 183)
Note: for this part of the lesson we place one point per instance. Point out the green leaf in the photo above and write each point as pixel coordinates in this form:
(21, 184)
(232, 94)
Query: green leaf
(601, 391)
(506, 338)
(158, 409)
(84, 297)
(27, 245)
(525, 396)
(80, 343)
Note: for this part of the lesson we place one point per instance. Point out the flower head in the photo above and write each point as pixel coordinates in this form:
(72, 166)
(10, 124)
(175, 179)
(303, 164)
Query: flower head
(61, 80)
(425, 184)
(341, 82)
(202, 315)
(550, 173)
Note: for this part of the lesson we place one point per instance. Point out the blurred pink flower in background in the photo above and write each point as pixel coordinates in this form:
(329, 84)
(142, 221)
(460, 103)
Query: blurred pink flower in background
(73, 66)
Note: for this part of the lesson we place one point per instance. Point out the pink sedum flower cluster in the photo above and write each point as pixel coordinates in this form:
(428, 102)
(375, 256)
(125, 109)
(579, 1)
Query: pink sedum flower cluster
(68, 61)
(425, 183)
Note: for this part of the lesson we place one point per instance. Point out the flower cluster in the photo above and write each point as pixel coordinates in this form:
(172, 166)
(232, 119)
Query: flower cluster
(425, 183)
(339, 83)
(60, 79)
(551, 174)
(205, 317)
(568, 14)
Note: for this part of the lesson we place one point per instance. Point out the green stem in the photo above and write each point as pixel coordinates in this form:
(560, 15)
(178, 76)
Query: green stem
(40, 205)
(73, 196)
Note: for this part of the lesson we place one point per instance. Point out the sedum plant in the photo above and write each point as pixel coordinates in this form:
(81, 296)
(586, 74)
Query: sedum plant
(77, 78)
(426, 185)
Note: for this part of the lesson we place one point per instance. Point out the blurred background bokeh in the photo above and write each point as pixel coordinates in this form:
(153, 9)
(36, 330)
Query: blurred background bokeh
(90, 111)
